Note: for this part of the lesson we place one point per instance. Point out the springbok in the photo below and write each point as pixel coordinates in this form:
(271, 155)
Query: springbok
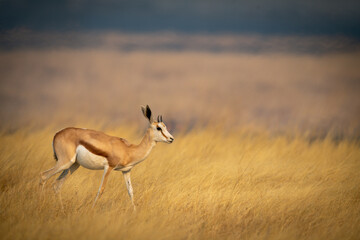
(95, 150)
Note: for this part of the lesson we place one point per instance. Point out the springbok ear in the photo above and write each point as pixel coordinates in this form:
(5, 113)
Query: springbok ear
(147, 113)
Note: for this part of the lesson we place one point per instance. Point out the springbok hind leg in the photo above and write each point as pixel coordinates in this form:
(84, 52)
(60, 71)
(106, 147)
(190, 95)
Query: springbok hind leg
(65, 175)
(61, 179)
(44, 176)
(43, 179)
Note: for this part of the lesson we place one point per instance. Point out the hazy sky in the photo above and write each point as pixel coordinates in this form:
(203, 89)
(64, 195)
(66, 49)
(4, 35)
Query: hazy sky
(259, 16)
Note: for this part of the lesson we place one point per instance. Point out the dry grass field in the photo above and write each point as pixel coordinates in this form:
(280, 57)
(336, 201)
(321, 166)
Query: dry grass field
(266, 140)
(206, 185)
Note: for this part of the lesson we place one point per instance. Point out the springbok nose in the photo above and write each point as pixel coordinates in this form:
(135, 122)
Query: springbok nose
(171, 139)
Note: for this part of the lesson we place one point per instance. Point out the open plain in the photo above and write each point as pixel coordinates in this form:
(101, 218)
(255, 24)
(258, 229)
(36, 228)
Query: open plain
(266, 143)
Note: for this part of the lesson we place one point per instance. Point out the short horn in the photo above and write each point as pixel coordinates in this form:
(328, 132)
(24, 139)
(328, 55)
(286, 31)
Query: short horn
(160, 118)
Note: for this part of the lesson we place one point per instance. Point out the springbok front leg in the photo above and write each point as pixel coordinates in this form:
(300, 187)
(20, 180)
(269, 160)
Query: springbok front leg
(129, 187)
(104, 179)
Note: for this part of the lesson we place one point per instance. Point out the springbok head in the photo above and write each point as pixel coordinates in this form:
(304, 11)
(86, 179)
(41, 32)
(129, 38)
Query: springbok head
(160, 132)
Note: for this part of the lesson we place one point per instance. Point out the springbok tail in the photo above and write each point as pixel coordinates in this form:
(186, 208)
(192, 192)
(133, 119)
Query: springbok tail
(55, 156)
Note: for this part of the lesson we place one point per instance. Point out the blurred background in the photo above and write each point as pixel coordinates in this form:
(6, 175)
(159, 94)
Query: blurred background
(275, 65)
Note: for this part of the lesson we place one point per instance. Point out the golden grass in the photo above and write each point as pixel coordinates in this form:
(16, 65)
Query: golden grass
(206, 185)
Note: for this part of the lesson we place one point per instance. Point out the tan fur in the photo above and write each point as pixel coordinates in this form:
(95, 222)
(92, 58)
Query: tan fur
(117, 153)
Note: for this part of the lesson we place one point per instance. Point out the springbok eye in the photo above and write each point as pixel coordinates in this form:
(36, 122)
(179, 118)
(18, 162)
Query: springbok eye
(158, 128)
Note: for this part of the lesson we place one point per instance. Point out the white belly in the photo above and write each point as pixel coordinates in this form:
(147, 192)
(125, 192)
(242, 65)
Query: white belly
(89, 160)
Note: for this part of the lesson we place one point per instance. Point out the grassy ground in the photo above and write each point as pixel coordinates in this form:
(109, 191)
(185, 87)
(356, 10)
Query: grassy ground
(213, 183)
(207, 184)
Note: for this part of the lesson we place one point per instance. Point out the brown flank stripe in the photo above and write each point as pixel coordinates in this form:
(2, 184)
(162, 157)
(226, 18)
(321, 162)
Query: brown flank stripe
(93, 149)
